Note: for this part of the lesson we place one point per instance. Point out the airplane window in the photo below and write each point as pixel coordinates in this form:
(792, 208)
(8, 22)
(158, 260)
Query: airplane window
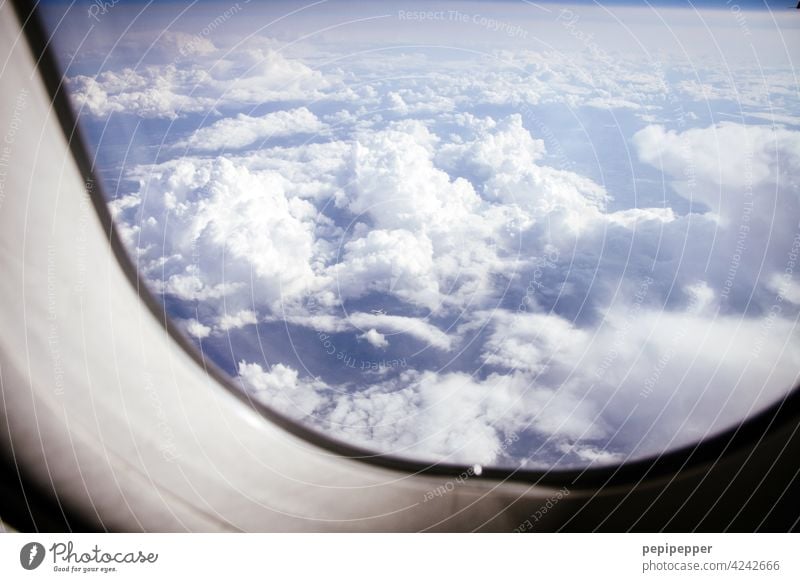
(512, 234)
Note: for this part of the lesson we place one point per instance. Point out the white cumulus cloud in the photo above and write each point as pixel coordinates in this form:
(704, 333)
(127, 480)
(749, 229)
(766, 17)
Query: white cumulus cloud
(243, 130)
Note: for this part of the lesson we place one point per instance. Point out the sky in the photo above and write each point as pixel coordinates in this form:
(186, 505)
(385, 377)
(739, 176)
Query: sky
(507, 234)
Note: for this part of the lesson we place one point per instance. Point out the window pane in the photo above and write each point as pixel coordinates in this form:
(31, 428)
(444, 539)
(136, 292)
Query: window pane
(507, 234)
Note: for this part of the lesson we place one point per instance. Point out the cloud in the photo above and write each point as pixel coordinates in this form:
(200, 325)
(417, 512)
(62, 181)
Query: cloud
(398, 185)
(243, 130)
(676, 377)
(784, 286)
(728, 154)
(434, 230)
(744, 175)
(209, 80)
(189, 286)
(530, 342)
(504, 157)
(396, 262)
(375, 339)
(153, 93)
(280, 388)
(242, 318)
(387, 324)
(452, 417)
(592, 455)
(197, 329)
(417, 328)
(662, 376)
(217, 209)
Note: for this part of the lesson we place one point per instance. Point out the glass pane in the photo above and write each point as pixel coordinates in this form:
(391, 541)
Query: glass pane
(509, 234)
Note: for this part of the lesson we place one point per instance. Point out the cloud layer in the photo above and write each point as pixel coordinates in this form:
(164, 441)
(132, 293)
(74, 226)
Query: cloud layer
(509, 256)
